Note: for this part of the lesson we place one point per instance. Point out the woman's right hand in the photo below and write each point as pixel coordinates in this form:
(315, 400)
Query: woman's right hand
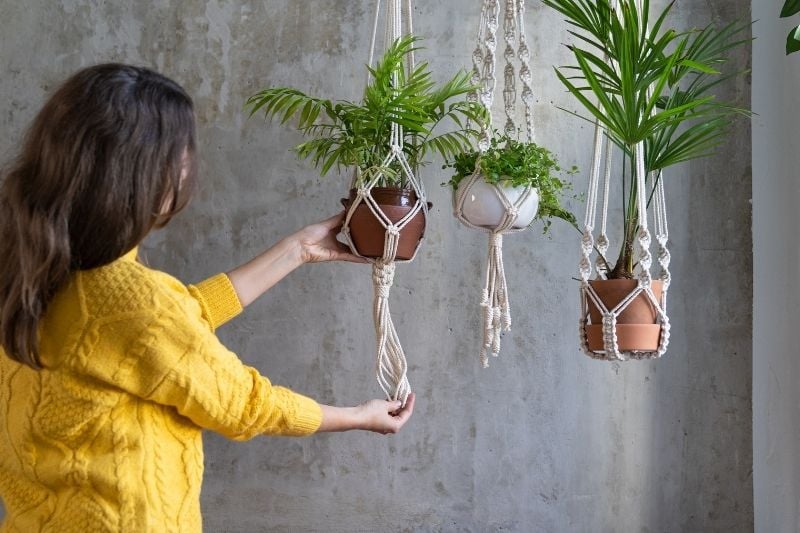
(380, 416)
(318, 243)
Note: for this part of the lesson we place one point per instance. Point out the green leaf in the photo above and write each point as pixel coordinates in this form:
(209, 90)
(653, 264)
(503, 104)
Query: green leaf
(698, 66)
(793, 41)
(790, 7)
(357, 133)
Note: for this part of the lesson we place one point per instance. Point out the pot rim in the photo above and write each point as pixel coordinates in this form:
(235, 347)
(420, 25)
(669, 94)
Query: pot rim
(633, 281)
(400, 190)
(497, 184)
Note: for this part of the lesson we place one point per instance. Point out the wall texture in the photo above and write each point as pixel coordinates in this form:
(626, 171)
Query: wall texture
(545, 439)
(776, 421)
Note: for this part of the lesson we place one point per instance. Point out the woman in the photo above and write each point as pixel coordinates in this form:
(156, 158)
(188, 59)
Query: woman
(110, 369)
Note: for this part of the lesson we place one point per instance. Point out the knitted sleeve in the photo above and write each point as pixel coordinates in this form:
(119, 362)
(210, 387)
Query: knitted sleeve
(217, 299)
(169, 355)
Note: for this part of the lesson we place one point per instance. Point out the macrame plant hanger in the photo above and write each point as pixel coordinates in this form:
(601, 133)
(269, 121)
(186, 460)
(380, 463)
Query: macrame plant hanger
(494, 297)
(611, 351)
(391, 360)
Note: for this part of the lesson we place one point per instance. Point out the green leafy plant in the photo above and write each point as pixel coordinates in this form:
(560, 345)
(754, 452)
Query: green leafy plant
(792, 7)
(349, 134)
(657, 89)
(518, 164)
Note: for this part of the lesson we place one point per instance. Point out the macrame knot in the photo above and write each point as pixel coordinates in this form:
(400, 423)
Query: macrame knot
(477, 56)
(362, 191)
(644, 237)
(587, 241)
(383, 277)
(496, 240)
(585, 267)
(524, 54)
(527, 94)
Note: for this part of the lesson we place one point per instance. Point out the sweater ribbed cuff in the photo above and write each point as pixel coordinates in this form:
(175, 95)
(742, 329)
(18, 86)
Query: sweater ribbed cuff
(307, 416)
(218, 299)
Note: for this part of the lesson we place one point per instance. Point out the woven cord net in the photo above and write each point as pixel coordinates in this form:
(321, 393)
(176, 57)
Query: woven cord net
(391, 365)
(495, 306)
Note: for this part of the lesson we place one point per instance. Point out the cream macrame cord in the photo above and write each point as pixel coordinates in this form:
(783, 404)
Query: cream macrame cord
(496, 311)
(392, 366)
(611, 349)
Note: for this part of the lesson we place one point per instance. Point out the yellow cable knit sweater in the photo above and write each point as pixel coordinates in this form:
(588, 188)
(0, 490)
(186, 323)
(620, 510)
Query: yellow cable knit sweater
(108, 436)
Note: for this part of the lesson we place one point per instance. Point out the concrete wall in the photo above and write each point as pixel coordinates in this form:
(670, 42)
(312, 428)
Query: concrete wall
(776, 193)
(544, 440)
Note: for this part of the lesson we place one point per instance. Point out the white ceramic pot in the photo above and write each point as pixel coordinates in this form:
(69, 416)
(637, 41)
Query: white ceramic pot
(483, 208)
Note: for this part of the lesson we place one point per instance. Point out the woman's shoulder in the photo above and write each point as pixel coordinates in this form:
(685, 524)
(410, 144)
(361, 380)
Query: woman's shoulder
(126, 287)
(121, 297)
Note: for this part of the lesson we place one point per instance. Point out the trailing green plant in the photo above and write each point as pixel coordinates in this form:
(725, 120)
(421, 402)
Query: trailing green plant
(657, 87)
(356, 134)
(792, 7)
(518, 164)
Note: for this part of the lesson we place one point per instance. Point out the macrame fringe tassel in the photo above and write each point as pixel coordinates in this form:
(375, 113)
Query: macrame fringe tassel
(392, 365)
(494, 301)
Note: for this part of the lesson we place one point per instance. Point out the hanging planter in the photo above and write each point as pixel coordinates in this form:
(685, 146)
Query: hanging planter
(482, 206)
(503, 190)
(638, 326)
(655, 107)
(384, 139)
(367, 226)
(506, 184)
(368, 230)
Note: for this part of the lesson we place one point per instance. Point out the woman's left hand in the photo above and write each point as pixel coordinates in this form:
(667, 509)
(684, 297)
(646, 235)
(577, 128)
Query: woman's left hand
(318, 242)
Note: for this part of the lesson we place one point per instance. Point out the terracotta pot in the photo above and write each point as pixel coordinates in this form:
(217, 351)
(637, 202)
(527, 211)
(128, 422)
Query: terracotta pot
(369, 234)
(637, 329)
(483, 208)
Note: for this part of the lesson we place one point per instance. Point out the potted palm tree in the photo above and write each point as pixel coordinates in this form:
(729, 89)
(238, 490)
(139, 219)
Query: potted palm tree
(511, 165)
(645, 84)
(356, 135)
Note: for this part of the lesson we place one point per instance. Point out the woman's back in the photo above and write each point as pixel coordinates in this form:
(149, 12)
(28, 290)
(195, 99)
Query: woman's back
(85, 454)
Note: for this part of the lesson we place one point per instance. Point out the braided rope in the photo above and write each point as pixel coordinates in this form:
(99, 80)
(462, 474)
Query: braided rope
(509, 87)
(525, 76)
(489, 77)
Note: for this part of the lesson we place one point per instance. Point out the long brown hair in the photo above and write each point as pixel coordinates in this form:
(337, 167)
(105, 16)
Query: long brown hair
(101, 165)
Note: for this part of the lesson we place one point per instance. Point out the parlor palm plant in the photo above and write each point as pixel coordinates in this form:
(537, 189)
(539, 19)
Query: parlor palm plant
(648, 84)
(356, 134)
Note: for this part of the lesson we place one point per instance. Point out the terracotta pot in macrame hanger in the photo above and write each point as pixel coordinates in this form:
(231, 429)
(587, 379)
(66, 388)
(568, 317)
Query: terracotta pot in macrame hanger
(624, 319)
(368, 232)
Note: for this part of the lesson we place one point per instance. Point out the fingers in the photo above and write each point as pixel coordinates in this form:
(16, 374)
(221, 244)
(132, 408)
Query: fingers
(399, 415)
(343, 254)
(334, 222)
(350, 258)
(404, 414)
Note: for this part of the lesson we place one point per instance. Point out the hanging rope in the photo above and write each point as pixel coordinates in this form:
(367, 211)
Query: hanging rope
(495, 306)
(589, 296)
(391, 365)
